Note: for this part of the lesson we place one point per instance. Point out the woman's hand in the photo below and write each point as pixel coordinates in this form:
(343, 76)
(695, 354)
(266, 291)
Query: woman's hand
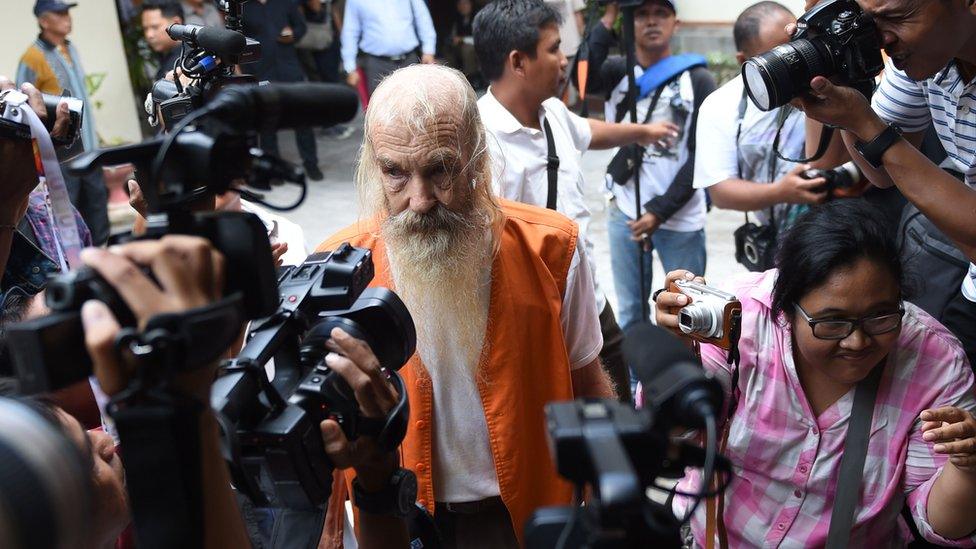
(668, 303)
(953, 430)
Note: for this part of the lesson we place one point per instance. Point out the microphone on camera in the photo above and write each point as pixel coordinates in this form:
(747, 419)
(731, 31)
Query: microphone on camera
(276, 106)
(675, 385)
(222, 42)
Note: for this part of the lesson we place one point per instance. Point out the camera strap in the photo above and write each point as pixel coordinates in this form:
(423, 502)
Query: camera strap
(389, 430)
(826, 135)
(160, 433)
(552, 165)
(851, 475)
(741, 113)
(62, 215)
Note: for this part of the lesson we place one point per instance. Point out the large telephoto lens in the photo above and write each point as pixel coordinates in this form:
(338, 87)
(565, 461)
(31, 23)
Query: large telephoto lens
(774, 78)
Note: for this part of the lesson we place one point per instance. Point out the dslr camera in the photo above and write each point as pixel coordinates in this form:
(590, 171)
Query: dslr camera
(711, 316)
(835, 39)
(842, 182)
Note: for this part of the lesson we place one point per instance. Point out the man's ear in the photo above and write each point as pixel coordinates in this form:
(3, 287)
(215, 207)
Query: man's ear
(740, 57)
(516, 62)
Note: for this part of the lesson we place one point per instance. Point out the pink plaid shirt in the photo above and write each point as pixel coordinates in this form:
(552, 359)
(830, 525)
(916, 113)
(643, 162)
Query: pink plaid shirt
(786, 460)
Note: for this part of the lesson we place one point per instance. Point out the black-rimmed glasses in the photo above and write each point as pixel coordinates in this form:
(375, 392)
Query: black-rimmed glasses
(832, 328)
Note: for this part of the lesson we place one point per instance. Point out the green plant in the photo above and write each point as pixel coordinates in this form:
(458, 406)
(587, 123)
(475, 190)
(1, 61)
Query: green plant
(723, 66)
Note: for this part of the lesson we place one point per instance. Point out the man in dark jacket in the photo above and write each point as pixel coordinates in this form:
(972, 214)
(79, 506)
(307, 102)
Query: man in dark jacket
(278, 25)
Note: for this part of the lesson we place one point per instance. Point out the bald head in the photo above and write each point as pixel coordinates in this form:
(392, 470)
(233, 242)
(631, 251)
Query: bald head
(761, 27)
(424, 144)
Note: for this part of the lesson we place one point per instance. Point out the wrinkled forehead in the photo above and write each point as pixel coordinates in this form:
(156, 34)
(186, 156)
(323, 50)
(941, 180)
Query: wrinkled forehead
(404, 141)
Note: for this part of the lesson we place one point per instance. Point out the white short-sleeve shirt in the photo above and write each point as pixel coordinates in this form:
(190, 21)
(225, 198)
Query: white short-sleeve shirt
(519, 163)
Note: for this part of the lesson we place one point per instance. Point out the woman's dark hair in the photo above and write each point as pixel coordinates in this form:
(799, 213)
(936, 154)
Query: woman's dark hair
(828, 238)
(503, 26)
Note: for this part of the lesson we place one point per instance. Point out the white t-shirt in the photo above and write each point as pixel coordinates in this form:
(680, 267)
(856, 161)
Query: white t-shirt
(519, 163)
(463, 466)
(569, 34)
(719, 155)
(658, 171)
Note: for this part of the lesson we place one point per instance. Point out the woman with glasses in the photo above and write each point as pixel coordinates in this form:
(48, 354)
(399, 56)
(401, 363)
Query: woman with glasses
(829, 317)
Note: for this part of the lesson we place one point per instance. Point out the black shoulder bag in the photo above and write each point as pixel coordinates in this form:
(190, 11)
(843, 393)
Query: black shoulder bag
(755, 245)
(622, 167)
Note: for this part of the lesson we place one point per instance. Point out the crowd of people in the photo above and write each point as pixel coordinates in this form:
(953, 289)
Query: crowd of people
(849, 389)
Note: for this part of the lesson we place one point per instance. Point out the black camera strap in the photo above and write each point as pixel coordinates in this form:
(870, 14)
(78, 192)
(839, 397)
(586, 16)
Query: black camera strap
(552, 165)
(850, 479)
(826, 134)
(160, 434)
(743, 104)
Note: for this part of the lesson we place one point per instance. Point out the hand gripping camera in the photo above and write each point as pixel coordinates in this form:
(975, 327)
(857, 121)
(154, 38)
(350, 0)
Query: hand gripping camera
(711, 316)
(842, 182)
(834, 39)
(270, 421)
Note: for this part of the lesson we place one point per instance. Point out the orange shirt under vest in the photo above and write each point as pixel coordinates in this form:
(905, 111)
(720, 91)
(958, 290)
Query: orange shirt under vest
(524, 363)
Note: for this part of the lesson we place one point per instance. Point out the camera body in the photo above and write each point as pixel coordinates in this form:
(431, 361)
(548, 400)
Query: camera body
(49, 352)
(835, 39)
(272, 425)
(711, 316)
(842, 182)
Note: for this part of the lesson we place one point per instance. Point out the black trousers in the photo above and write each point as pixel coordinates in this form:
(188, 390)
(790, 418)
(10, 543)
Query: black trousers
(377, 68)
(304, 138)
(960, 317)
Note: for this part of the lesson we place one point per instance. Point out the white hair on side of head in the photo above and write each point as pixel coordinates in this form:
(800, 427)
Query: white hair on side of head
(413, 97)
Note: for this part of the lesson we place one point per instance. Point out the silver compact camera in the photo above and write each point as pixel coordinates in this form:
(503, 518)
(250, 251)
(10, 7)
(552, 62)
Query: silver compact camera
(711, 316)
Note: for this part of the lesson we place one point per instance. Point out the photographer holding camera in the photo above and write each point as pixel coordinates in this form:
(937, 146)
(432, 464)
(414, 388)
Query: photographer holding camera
(929, 82)
(829, 347)
(735, 161)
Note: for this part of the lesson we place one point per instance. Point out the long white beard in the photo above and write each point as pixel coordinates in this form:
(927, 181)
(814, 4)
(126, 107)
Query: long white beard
(440, 263)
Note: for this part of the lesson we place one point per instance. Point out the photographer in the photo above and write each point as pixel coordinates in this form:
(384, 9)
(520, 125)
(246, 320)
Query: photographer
(30, 248)
(501, 297)
(735, 161)
(827, 327)
(929, 82)
(157, 16)
(671, 218)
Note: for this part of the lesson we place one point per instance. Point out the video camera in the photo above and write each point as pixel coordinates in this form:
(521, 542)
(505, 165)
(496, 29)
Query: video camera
(208, 57)
(173, 171)
(835, 39)
(271, 428)
(620, 452)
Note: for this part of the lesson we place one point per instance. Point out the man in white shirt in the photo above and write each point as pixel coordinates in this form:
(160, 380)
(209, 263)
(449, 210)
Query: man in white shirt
(671, 216)
(735, 160)
(517, 42)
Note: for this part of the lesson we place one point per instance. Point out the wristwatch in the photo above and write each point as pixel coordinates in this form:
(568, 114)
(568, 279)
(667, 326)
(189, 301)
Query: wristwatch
(873, 151)
(397, 498)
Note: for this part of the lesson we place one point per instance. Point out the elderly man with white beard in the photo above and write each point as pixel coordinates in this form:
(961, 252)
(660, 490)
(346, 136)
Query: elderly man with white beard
(502, 297)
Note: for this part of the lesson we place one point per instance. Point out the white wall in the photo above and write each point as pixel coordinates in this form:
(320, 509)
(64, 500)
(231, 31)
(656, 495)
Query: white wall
(97, 37)
(722, 11)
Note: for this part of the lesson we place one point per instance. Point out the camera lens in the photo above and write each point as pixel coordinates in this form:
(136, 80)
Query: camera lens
(697, 318)
(774, 78)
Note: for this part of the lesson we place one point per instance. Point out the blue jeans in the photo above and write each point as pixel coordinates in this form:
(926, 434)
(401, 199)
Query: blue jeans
(678, 250)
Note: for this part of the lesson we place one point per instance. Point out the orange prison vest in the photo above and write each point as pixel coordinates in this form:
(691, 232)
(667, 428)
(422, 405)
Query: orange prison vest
(524, 363)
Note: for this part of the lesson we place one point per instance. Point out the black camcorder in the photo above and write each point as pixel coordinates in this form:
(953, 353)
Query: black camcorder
(270, 423)
(835, 39)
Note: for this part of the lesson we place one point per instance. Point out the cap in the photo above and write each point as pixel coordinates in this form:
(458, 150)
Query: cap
(44, 6)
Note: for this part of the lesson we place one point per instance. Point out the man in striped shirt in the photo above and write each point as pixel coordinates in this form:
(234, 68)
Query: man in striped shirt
(930, 80)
